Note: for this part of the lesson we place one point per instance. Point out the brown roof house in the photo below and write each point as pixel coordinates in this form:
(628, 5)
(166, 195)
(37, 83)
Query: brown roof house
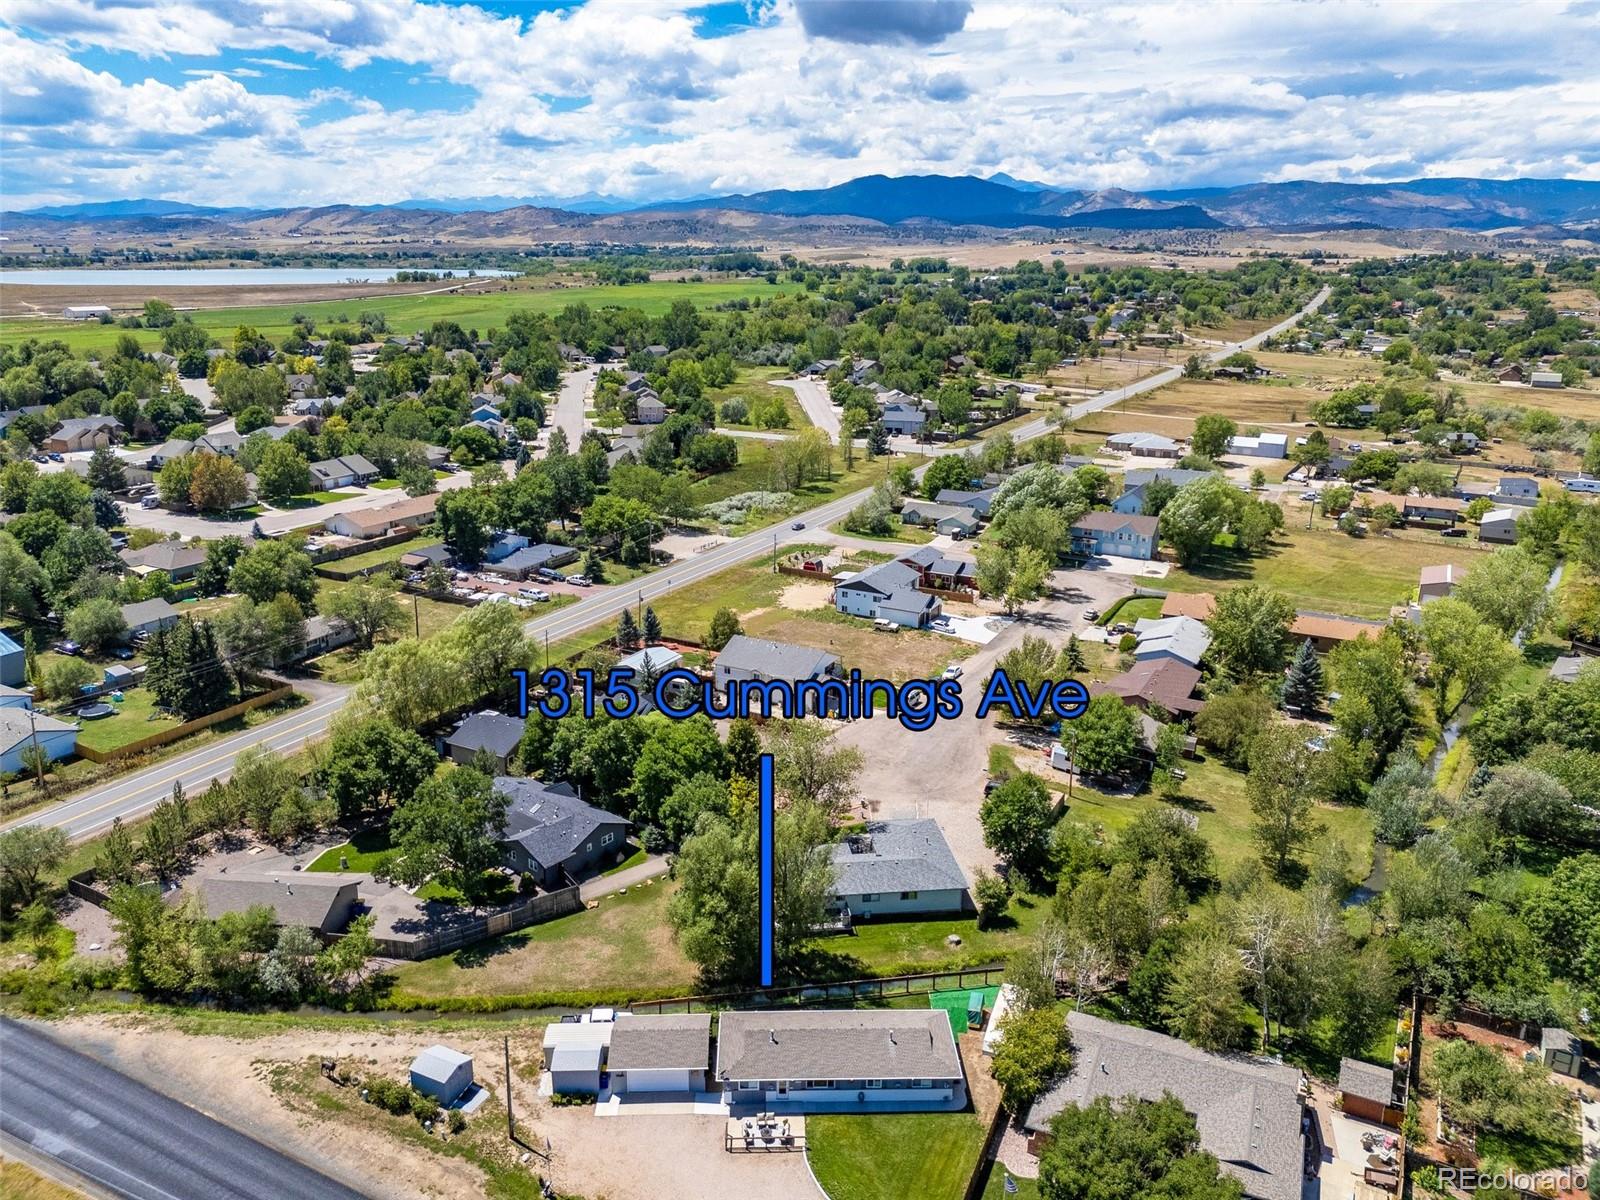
(1327, 631)
(322, 903)
(1164, 683)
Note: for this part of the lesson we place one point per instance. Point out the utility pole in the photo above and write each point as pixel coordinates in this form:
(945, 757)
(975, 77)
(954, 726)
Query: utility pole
(511, 1117)
(38, 755)
(774, 553)
(416, 617)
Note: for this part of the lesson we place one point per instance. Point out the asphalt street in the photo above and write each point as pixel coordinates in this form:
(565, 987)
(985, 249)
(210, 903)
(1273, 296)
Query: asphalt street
(133, 1141)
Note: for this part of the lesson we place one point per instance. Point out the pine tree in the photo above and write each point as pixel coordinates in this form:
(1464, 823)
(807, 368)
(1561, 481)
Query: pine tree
(118, 861)
(1302, 688)
(744, 748)
(652, 626)
(594, 567)
(1075, 660)
(627, 631)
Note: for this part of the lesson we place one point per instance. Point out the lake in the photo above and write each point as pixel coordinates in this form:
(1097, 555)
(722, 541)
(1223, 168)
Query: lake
(217, 276)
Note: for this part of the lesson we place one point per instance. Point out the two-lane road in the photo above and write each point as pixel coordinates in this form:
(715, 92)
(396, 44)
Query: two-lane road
(132, 1141)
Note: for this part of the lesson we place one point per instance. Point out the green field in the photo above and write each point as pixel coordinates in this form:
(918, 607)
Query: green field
(135, 718)
(891, 1156)
(481, 310)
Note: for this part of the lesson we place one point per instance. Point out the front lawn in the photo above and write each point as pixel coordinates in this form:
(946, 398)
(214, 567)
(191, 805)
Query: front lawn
(312, 499)
(893, 1156)
(1131, 609)
(909, 534)
(382, 555)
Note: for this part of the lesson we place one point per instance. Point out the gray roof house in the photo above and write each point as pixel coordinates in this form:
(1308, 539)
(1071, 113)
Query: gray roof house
(333, 473)
(1247, 1110)
(978, 502)
(147, 616)
(317, 901)
(888, 592)
(748, 658)
(174, 559)
(1182, 638)
(485, 732)
(898, 867)
(666, 1053)
(519, 564)
(855, 1060)
(553, 835)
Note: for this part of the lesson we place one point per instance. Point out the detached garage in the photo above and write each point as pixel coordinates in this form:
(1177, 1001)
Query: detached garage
(574, 1053)
(667, 1053)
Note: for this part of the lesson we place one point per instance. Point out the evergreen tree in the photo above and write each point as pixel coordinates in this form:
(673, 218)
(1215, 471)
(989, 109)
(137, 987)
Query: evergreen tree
(744, 748)
(1302, 688)
(1075, 660)
(594, 567)
(118, 861)
(652, 626)
(877, 439)
(627, 631)
(186, 671)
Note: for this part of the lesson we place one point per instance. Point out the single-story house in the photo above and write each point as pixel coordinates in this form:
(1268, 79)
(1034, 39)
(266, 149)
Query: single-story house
(1366, 1091)
(408, 512)
(1325, 630)
(575, 1055)
(952, 574)
(1124, 535)
(82, 433)
(652, 661)
(1499, 525)
(1511, 373)
(442, 1073)
(905, 419)
(20, 727)
(13, 662)
(1150, 445)
(666, 1053)
(1266, 445)
(148, 616)
(427, 556)
(319, 902)
(504, 544)
(1164, 683)
(1432, 508)
(350, 470)
(1182, 638)
(1247, 1111)
(326, 633)
(1144, 476)
(1517, 487)
(174, 559)
(1546, 379)
(1461, 439)
(931, 513)
(553, 835)
(1439, 581)
(893, 868)
(1561, 1051)
(529, 560)
(979, 502)
(488, 732)
(888, 592)
(1199, 605)
(858, 1058)
(747, 658)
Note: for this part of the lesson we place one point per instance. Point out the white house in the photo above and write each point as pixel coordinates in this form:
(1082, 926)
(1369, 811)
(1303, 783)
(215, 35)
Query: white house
(1182, 638)
(20, 726)
(1499, 525)
(1266, 445)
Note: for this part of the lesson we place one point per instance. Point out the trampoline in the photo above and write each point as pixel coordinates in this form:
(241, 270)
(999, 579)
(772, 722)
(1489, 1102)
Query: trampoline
(94, 711)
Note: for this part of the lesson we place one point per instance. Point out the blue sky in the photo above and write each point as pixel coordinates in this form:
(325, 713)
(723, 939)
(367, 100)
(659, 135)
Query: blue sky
(287, 102)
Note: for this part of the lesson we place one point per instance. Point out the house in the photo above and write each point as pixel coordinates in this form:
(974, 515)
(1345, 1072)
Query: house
(324, 634)
(951, 574)
(1165, 683)
(82, 433)
(1511, 373)
(1546, 379)
(529, 560)
(1266, 445)
(442, 1073)
(1247, 1111)
(821, 367)
(488, 732)
(888, 592)
(1367, 1092)
(1434, 583)
(901, 1058)
(408, 512)
(1180, 638)
(1135, 482)
(978, 502)
(504, 544)
(895, 868)
(1499, 525)
(553, 835)
(427, 556)
(1151, 445)
(908, 420)
(946, 518)
(649, 410)
(174, 559)
(13, 662)
(21, 728)
(322, 903)
(574, 1055)
(746, 658)
(1446, 509)
(1325, 630)
(15, 697)
(1123, 535)
(1461, 440)
(1199, 605)
(149, 616)
(85, 312)
(653, 1054)
(1517, 487)
(1561, 1051)
(352, 470)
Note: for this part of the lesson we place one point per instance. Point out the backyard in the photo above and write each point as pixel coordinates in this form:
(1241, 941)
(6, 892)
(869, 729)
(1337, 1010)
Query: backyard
(892, 1156)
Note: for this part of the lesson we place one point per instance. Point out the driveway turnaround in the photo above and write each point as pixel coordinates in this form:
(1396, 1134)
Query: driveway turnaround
(131, 1140)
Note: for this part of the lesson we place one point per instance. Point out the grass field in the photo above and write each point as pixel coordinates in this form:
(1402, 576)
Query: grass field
(135, 718)
(755, 383)
(891, 1156)
(481, 310)
(362, 852)
(908, 654)
(754, 474)
(21, 1182)
(385, 554)
(906, 534)
(431, 615)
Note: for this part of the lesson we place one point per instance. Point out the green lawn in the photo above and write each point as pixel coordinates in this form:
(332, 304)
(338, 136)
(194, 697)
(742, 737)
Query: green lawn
(1131, 609)
(432, 615)
(1027, 1189)
(136, 718)
(910, 534)
(894, 1156)
(362, 851)
(384, 485)
(753, 474)
(755, 383)
(908, 947)
(313, 499)
(633, 860)
(482, 309)
(384, 554)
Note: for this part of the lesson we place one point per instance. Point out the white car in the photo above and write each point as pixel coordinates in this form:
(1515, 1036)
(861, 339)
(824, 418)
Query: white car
(953, 671)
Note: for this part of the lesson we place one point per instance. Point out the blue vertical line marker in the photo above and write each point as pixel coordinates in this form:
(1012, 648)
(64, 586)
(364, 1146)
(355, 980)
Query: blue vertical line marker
(765, 802)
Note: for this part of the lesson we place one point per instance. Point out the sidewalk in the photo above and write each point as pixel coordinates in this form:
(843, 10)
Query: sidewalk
(604, 885)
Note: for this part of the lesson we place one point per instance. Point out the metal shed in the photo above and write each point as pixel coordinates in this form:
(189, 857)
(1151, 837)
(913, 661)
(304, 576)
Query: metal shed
(442, 1073)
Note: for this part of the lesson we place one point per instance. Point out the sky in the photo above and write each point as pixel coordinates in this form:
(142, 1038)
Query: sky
(278, 103)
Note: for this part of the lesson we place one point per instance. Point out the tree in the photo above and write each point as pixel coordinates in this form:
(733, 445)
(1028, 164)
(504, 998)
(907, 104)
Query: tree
(282, 473)
(724, 628)
(1166, 837)
(1564, 913)
(1206, 993)
(370, 606)
(992, 895)
(948, 472)
(165, 846)
(466, 518)
(1507, 589)
(1401, 801)
(106, 471)
(1302, 687)
(673, 751)
(1034, 1051)
(449, 830)
(66, 677)
(96, 624)
(1016, 818)
(27, 853)
(1195, 516)
(1467, 657)
(807, 764)
(744, 748)
(1105, 739)
(117, 860)
(1212, 433)
(375, 762)
(1279, 785)
(270, 567)
(185, 669)
(1133, 1147)
(1250, 630)
(652, 626)
(216, 483)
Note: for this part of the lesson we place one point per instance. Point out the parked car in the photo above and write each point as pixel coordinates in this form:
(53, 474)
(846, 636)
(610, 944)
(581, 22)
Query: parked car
(1309, 497)
(883, 626)
(953, 671)
(150, 502)
(121, 653)
(1452, 533)
(578, 580)
(67, 647)
(1091, 614)
(54, 457)
(1122, 627)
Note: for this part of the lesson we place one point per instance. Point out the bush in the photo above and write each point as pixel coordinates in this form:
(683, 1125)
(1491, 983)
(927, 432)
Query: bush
(388, 1095)
(424, 1108)
(458, 1120)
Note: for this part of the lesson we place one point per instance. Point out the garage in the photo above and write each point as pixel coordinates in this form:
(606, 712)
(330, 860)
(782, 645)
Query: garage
(665, 1079)
(573, 1055)
(651, 1055)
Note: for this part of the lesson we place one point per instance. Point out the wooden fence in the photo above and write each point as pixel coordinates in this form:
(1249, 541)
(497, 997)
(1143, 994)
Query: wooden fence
(334, 553)
(534, 911)
(882, 988)
(978, 1182)
(272, 696)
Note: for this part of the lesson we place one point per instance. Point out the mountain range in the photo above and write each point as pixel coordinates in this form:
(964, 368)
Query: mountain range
(999, 201)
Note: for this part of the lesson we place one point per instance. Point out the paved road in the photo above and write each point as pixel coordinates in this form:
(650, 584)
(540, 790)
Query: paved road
(133, 1141)
(813, 397)
(571, 401)
(92, 813)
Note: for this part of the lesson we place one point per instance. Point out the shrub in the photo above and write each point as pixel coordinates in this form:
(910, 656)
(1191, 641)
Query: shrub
(388, 1095)
(424, 1108)
(458, 1120)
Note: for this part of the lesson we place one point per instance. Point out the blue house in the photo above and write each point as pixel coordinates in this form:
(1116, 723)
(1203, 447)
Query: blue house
(12, 662)
(20, 727)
